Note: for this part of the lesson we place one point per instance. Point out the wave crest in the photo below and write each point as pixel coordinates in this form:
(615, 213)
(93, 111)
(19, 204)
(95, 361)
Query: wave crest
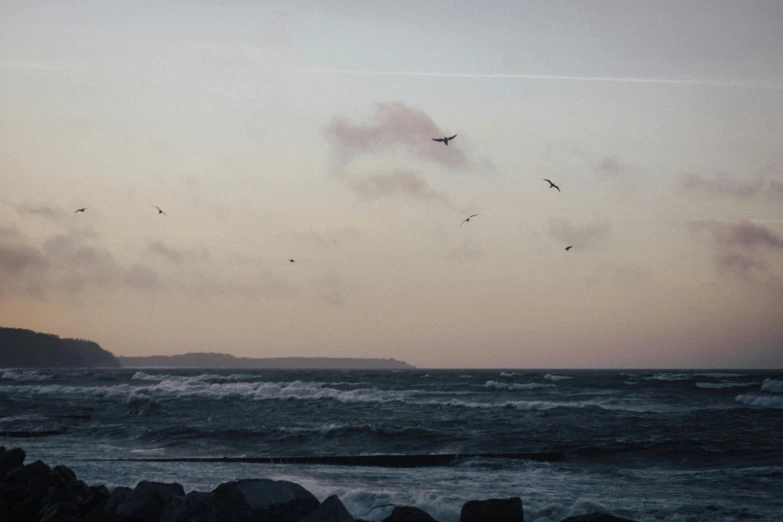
(771, 385)
(760, 401)
(516, 386)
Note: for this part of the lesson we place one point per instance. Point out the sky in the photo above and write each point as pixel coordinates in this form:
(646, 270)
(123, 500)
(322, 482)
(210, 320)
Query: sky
(270, 131)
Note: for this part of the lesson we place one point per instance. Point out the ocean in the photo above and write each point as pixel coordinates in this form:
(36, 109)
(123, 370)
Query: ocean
(647, 445)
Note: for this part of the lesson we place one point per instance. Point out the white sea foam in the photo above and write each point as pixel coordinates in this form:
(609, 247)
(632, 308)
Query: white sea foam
(671, 377)
(204, 377)
(509, 374)
(761, 401)
(516, 386)
(25, 375)
(771, 385)
(717, 385)
(719, 375)
(555, 377)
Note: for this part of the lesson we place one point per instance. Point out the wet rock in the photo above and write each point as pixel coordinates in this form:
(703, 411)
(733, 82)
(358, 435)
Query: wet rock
(493, 510)
(596, 517)
(10, 459)
(330, 510)
(408, 514)
(147, 502)
(278, 500)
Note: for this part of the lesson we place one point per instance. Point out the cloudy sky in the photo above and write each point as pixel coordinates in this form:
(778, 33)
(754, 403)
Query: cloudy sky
(271, 131)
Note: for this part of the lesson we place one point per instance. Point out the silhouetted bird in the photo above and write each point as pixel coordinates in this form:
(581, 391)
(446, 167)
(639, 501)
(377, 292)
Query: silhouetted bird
(468, 218)
(290, 260)
(568, 248)
(552, 185)
(445, 140)
(79, 210)
(160, 211)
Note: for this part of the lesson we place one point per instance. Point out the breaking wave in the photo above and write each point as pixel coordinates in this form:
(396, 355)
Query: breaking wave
(24, 375)
(515, 386)
(555, 377)
(716, 385)
(771, 385)
(761, 401)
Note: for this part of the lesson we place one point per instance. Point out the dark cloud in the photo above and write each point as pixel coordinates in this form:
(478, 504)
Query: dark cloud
(399, 183)
(17, 257)
(340, 238)
(722, 185)
(396, 125)
(613, 166)
(331, 288)
(65, 262)
(45, 211)
(775, 189)
(580, 235)
(740, 249)
(176, 255)
(624, 274)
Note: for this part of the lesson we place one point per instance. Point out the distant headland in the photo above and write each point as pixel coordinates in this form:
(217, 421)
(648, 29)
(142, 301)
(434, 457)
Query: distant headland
(221, 360)
(28, 349)
(21, 348)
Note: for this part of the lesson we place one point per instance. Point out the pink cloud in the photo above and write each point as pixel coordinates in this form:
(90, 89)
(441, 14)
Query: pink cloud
(740, 249)
(722, 185)
(396, 125)
(776, 189)
(580, 235)
(404, 183)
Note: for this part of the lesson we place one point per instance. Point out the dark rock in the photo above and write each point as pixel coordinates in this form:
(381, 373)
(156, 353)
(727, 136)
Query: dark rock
(97, 495)
(597, 517)
(111, 505)
(330, 510)
(36, 472)
(278, 500)
(62, 475)
(408, 514)
(11, 459)
(60, 512)
(147, 501)
(493, 510)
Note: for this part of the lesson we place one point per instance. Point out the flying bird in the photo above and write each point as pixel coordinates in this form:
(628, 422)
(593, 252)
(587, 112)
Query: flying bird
(160, 211)
(445, 140)
(290, 260)
(79, 210)
(468, 218)
(568, 248)
(552, 185)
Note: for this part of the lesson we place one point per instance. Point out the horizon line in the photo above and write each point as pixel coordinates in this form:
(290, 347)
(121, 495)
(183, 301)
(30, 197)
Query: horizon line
(757, 84)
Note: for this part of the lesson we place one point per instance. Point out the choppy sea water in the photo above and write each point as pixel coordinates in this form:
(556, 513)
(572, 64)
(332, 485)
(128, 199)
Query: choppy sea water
(647, 445)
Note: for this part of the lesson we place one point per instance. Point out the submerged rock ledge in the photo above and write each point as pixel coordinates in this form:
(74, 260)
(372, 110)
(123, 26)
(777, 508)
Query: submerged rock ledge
(36, 492)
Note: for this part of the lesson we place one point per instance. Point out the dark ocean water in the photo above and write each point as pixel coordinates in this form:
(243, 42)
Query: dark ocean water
(648, 445)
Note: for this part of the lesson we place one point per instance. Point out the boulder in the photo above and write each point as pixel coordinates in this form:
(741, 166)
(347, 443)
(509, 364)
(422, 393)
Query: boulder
(597, 517)
(278, 500)
(493, 510)
(330, 510)
(10, 459)
(408, 514)
(147, 501)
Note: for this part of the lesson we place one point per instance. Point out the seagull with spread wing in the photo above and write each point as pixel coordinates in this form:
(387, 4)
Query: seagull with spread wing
(160, 211)
(552, 185)
(468, 218)
(445, 140)
(79, 210)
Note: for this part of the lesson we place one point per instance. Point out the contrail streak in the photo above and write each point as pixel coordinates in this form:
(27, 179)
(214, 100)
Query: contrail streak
(756, 84)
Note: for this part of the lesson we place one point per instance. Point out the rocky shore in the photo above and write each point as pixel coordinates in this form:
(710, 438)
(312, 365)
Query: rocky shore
(36, 492)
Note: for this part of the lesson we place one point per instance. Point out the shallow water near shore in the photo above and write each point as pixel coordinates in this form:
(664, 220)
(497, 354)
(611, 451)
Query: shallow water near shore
(647, 445)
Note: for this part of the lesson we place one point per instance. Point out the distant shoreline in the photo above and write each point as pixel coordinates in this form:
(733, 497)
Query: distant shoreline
(218, 361)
